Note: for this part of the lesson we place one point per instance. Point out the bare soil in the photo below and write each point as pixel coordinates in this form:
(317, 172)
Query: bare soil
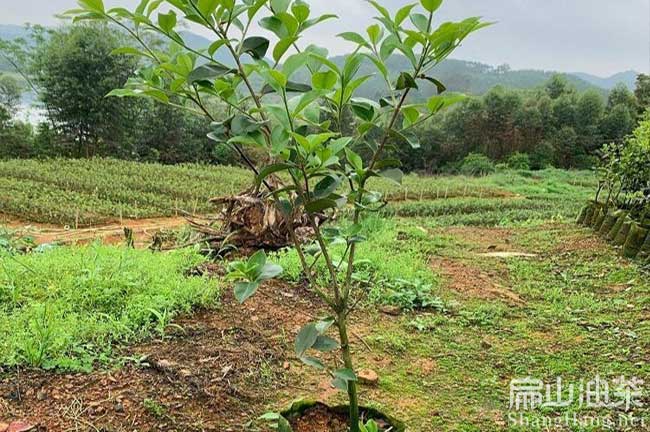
(113, 233)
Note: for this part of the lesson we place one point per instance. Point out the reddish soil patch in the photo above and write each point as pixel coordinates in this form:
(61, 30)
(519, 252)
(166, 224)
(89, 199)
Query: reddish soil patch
(473, 281)
(482, 239)
(590, 242)
(143, 231)
(216, 375)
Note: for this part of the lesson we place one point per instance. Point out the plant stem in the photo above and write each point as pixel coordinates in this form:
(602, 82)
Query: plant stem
(347, 361)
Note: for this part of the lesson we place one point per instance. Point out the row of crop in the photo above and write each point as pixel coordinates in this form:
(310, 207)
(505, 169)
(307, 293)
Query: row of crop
(108, 177)
(38, 202)
(619, 227)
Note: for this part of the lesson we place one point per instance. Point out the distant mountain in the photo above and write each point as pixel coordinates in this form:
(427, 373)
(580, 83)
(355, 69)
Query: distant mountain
(459, 75)
(628, 78)
(10, 31)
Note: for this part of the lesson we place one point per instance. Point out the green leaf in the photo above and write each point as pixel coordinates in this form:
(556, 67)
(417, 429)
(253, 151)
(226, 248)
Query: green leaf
(271, 169)
(252, 11)
(274, 25)
(324, 80)
(280, 5)
(300, 10)
(340, 384)
(355, 38)
(420, 22)
(438, 103)
(209, 71)
(214, 47)
(207, 7)
(323, 325)
(439, 86)
(363, 109)
(411, 115)
(92, 5)
(294, 63)
(354, 159)
(375, 33)
(408, 138)
(405, 81)
(243, 290)
(325, 344)
(129, 51)
(258, 259)
(256, 47)
(313, 362)
(382, 10)
(431, 5)
(289, 22)
(345, 374)
(394, 174)
(403, 13)
(327, 186)
(269, 271)
(282, 46)
(306, 338)
(167, 21)
(320, 205)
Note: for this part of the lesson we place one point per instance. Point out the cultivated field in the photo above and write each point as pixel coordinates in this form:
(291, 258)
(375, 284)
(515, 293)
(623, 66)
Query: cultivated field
(469, 283)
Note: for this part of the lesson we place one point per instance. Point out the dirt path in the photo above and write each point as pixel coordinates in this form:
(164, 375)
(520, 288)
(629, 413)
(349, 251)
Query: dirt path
(143, 230)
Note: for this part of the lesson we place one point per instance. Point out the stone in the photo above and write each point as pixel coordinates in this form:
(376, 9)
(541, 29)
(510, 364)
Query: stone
(368, 377)
(391, 310)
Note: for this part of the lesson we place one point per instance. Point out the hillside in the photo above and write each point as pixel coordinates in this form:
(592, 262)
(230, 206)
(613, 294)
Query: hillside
(628, 78)
(459, 75)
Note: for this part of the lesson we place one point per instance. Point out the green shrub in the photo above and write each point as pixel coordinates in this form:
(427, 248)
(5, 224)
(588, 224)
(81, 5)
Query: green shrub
(518, 161)
(476, 164)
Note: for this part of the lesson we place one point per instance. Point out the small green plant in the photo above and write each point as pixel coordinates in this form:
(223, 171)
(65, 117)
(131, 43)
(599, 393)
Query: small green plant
(299, 125)
(410, 295)
(370, 426)
(163, 321)
(154, 408)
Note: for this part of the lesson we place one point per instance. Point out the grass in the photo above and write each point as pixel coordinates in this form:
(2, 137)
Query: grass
(85, 192)
(68, 307)
(576, 324)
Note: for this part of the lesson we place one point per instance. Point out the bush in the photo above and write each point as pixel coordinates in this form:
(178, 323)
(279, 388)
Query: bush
(542, 157)
(518, 161)
(476, 164)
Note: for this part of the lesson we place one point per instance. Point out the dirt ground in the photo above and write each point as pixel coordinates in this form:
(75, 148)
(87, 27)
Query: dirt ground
(143, 230)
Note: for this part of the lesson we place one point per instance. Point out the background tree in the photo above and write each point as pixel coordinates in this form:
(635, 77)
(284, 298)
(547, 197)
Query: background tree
(642, 92)
(74, 71)
(10, 93)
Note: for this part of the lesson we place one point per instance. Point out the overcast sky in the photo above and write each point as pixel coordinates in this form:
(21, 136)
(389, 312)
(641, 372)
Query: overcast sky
(602, 37)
